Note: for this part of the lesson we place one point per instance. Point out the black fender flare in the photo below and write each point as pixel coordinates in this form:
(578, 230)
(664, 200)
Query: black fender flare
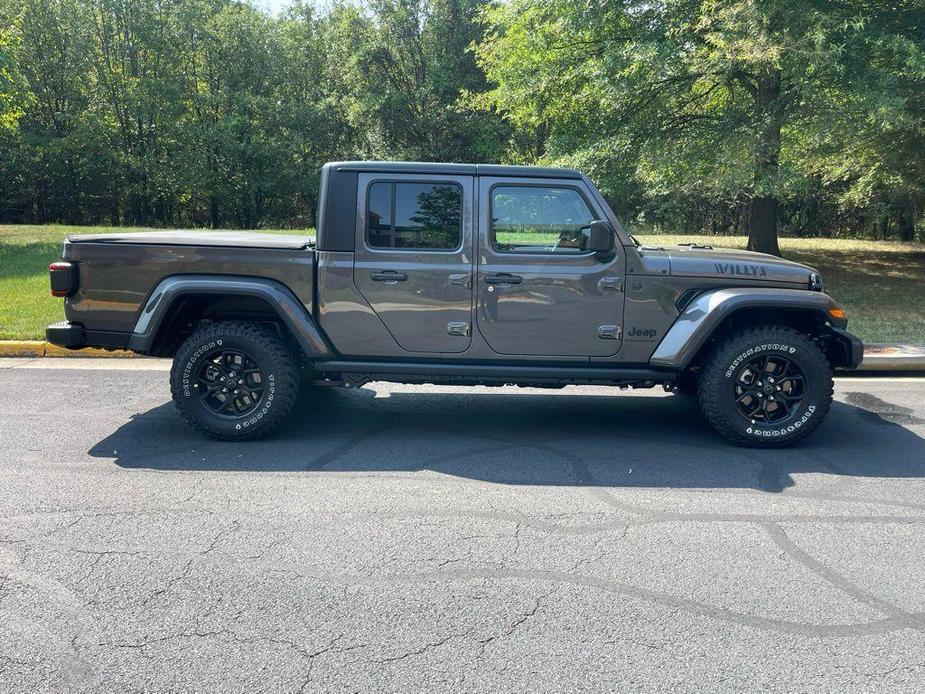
(707, 311)
(290, 310)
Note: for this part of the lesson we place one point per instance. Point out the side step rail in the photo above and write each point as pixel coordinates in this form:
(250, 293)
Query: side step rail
(435, 372)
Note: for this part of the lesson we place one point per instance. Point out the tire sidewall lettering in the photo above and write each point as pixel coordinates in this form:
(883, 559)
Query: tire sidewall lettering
(267, 404)
(773, 432)
(759, 349)
(191, 362)
(272, 357)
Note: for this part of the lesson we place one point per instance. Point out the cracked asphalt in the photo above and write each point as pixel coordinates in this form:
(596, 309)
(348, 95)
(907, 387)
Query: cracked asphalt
(424, 539)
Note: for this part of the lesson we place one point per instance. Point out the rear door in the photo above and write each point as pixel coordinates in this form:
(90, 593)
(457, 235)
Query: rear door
(414, 258)
(539, 291)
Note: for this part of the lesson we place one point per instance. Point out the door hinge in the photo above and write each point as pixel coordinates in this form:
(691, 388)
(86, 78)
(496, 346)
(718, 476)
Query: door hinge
(610, 332)
(459, 327)
(610, 284)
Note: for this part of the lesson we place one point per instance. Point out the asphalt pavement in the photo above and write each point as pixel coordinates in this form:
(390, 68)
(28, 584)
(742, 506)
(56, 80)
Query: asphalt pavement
(425, 539)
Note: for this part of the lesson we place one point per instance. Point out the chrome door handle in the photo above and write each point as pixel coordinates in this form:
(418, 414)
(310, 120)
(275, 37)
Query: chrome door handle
(388, 276)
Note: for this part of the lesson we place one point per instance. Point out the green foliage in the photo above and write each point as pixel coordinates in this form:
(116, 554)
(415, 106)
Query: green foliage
(13, 91)
(687, 107)
(213, 112)
(722, 116)
(405, 63)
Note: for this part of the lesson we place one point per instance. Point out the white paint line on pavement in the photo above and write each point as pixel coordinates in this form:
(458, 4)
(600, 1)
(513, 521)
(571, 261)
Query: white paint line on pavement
(879, 379)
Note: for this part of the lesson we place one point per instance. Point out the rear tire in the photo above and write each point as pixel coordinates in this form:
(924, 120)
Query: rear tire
(234, 381)
(766, 387)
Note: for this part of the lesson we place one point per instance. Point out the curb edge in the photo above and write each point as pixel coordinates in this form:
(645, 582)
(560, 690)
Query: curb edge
(41, 348)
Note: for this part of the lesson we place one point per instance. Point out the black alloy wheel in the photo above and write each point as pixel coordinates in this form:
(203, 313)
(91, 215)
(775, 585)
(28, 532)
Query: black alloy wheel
(766, 386)
(769, 389)
(230, 383)
(235, 380)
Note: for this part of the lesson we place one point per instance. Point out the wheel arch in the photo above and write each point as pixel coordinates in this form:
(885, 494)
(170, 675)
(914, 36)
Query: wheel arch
(180, 301)
(715, 314)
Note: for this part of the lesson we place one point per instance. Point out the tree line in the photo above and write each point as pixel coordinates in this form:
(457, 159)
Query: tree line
(717, 116)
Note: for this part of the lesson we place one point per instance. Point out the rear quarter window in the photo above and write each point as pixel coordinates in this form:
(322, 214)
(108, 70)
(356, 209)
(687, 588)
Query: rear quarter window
(414, 215)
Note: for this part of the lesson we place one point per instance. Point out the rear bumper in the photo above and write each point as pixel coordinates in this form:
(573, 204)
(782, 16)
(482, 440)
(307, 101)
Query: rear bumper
(75, 336)
(850, 352)
(65, 334)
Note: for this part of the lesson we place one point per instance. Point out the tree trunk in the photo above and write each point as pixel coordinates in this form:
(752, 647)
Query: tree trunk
(214, 218)
(906, 227)
(762, 228)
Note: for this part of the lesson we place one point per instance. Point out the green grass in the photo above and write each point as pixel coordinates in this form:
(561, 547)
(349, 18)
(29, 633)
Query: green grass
(881, 284)
(528, 238)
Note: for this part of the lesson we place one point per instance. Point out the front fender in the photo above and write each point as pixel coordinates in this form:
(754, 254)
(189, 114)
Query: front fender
(289, 309)
(705, 313)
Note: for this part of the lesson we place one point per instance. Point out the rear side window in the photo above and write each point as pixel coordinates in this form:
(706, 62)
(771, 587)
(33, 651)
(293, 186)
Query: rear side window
(539, 219)
(414, 216)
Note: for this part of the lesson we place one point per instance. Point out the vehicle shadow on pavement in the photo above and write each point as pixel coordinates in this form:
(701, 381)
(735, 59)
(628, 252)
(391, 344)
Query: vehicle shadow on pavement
(529, 438)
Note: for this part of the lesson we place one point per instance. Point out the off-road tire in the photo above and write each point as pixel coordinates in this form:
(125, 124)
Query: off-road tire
(278, 371)
(716, 388)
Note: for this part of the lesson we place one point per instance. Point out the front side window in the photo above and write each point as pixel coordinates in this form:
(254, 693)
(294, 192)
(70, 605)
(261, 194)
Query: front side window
(539, 219)
(421, 216)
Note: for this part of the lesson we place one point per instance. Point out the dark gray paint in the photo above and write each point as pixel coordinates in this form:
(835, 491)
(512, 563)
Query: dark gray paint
(357, 332)
(116, 278)
(700, 318)
(228, 239)
(560, 306)
(444, 313)
(159, 305)
(418, 311)
(344, 314)
(742, 265)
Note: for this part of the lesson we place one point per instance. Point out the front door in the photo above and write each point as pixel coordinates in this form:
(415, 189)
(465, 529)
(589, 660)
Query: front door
(413, 258)
(539, 291)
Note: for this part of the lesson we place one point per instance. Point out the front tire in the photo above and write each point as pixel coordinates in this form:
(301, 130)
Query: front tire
(234, 381)
(766, 387)
(686, 384)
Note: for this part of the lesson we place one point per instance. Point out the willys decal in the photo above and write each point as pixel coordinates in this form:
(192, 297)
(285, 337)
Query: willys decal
(740, 269)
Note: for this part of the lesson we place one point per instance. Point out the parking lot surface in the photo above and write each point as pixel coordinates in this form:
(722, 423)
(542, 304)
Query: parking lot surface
(402, 539)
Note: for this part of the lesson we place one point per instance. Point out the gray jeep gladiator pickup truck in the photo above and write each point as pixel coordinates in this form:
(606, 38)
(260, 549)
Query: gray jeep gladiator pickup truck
(458, 274)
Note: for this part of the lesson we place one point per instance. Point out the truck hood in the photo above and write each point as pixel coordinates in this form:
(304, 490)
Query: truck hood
(701, 261)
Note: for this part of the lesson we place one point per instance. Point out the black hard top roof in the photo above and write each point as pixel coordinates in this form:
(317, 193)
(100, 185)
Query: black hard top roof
(453, 169)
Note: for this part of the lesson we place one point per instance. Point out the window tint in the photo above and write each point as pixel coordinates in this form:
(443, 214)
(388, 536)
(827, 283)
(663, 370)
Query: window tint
(379, 214)
(539, 219)
(414, 215)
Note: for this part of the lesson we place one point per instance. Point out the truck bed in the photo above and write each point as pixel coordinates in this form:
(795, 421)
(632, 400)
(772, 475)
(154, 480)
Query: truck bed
(118, 272)
(226, 239)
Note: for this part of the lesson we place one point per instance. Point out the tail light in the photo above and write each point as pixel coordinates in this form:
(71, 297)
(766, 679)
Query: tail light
(63, 278)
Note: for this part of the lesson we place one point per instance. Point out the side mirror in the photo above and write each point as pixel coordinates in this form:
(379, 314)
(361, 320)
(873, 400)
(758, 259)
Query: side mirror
(601, 239)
